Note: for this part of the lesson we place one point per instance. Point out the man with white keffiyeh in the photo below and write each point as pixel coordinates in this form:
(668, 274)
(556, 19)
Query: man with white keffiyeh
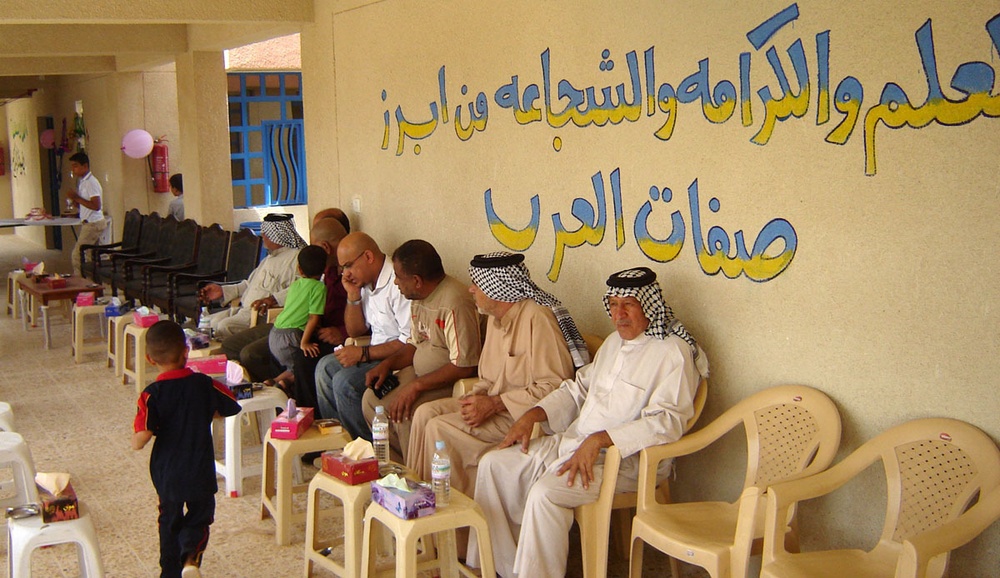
(267, 284)
(638, 392)
(532, 344)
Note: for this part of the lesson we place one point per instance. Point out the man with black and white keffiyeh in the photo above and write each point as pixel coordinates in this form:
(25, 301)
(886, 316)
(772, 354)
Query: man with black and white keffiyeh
(638, 392)
(527, 353)
(267, 284)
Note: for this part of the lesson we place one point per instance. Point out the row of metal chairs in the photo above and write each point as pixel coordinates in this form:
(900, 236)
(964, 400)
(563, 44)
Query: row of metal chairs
(161, 262)
(934, 468)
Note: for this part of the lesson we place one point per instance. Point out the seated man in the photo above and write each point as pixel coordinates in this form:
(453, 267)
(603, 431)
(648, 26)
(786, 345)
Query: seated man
(266, 285)
(527, 353)
(250, 347)
(443, 347)
(375, 306)
(638, 392)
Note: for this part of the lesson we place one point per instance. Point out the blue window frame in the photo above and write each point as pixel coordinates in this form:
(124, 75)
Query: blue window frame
(266, 139)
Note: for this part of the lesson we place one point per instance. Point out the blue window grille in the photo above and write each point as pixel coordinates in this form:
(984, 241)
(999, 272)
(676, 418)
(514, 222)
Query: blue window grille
(266, 138)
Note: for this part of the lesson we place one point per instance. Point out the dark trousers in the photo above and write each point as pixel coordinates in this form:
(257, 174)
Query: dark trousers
(250, 348)
(304, 368)
(183, 535)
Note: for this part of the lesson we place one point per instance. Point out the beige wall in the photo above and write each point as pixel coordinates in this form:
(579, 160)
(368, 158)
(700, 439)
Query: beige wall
(25, 183)
(889, 302)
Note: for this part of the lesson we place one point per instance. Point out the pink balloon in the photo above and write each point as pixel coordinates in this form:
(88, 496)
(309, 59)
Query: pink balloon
(137, 143)
(48, 138)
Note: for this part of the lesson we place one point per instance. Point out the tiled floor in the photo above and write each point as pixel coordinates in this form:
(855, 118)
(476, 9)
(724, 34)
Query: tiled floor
(77, 419)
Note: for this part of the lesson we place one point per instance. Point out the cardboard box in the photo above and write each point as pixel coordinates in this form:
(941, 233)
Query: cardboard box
(211, 365)
(84, 299)
(350, 471)
(145, 320)
(328, 426)
(283, 428)
(61, 507)
(58, 283)
(418, 503)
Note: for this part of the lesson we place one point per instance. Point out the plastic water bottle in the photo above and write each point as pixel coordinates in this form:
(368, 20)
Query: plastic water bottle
(380, 435)
(441, 474)
(204, 325)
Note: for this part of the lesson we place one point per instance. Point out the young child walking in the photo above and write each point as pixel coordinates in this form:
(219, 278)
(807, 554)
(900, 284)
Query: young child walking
(178, 409)
(304, 305)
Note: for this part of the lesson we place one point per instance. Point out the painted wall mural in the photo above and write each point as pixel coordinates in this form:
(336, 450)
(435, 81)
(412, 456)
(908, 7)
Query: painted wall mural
(18, 136)
(641, 97)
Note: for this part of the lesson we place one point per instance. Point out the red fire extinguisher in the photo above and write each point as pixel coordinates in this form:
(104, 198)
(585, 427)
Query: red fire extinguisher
(160, 166)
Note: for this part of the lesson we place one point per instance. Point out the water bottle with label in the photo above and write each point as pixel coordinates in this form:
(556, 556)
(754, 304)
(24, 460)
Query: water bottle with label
(380, 435)
(204, 325)
(441, 474)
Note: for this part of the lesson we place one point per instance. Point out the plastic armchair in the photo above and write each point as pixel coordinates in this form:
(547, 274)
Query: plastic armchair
(594, 519)
(791, 431)
(933, 469)
(918, 552)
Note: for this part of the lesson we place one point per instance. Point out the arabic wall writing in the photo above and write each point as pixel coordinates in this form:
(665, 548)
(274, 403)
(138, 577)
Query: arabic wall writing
(640, 95)
(715, 253)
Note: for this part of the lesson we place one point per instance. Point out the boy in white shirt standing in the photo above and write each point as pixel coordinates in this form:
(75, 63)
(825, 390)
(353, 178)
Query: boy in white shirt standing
(87, 196)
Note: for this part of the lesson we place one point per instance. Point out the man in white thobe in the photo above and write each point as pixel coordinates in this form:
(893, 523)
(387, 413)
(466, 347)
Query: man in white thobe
(638, 392)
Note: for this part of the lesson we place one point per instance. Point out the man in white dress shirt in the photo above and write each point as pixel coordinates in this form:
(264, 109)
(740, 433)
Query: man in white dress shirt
(374, 306)
(638, 392)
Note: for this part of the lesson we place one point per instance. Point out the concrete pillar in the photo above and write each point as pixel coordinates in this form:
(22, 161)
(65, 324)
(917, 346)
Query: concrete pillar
(202, 110)
(319, 106)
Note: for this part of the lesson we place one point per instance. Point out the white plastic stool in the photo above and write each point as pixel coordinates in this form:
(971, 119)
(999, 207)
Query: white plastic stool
(134, 364)
(461, 511)
(26, 534)
(116, 341)
(13, 307)
(6, 417)
(17, 472)
(276, 485)
(79, 344)
(263, 402)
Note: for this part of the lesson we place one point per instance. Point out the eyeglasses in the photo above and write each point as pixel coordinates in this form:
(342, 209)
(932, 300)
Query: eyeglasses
(349, 264)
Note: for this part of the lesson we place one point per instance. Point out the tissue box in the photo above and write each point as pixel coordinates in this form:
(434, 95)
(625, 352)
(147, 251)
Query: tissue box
(61, 507)
(407, 505)
(213, 364)
(111, 310)
(60, 283)
(199, 341)
(145, 320)
(84, 299)
(283, 428)
(350, 471)
(241, 390)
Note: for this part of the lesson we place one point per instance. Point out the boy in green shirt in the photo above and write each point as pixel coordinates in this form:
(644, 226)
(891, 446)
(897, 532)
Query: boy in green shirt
(304, 305)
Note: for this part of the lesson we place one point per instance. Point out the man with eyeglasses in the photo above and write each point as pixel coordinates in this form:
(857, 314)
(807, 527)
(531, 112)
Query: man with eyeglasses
(375, 307)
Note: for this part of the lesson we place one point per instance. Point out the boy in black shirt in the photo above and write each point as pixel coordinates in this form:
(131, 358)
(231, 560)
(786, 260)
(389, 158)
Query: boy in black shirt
(178, 409)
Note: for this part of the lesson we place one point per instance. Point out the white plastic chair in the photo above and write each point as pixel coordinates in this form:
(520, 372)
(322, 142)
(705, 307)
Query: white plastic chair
(26, 534)
(933, 469)
(6, 417)
(17, 472)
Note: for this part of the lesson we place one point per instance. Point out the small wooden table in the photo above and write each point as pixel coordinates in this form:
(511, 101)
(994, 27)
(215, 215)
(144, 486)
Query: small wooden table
(43, 293)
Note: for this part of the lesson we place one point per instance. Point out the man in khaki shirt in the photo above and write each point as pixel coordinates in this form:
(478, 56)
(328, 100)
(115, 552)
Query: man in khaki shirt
(444, 343)
(532, 344)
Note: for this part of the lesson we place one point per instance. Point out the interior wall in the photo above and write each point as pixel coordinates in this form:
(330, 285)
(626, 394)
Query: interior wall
(25, 184)
(6, 198)
(802, 252)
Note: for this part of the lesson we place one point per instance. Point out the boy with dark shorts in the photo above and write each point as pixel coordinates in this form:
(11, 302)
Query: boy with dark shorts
(178, 409)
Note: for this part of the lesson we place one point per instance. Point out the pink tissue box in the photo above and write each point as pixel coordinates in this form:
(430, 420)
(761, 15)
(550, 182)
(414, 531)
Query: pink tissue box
(85, 299)
(145, 320)
(211, 365)
(407, 505)
(283, 428)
